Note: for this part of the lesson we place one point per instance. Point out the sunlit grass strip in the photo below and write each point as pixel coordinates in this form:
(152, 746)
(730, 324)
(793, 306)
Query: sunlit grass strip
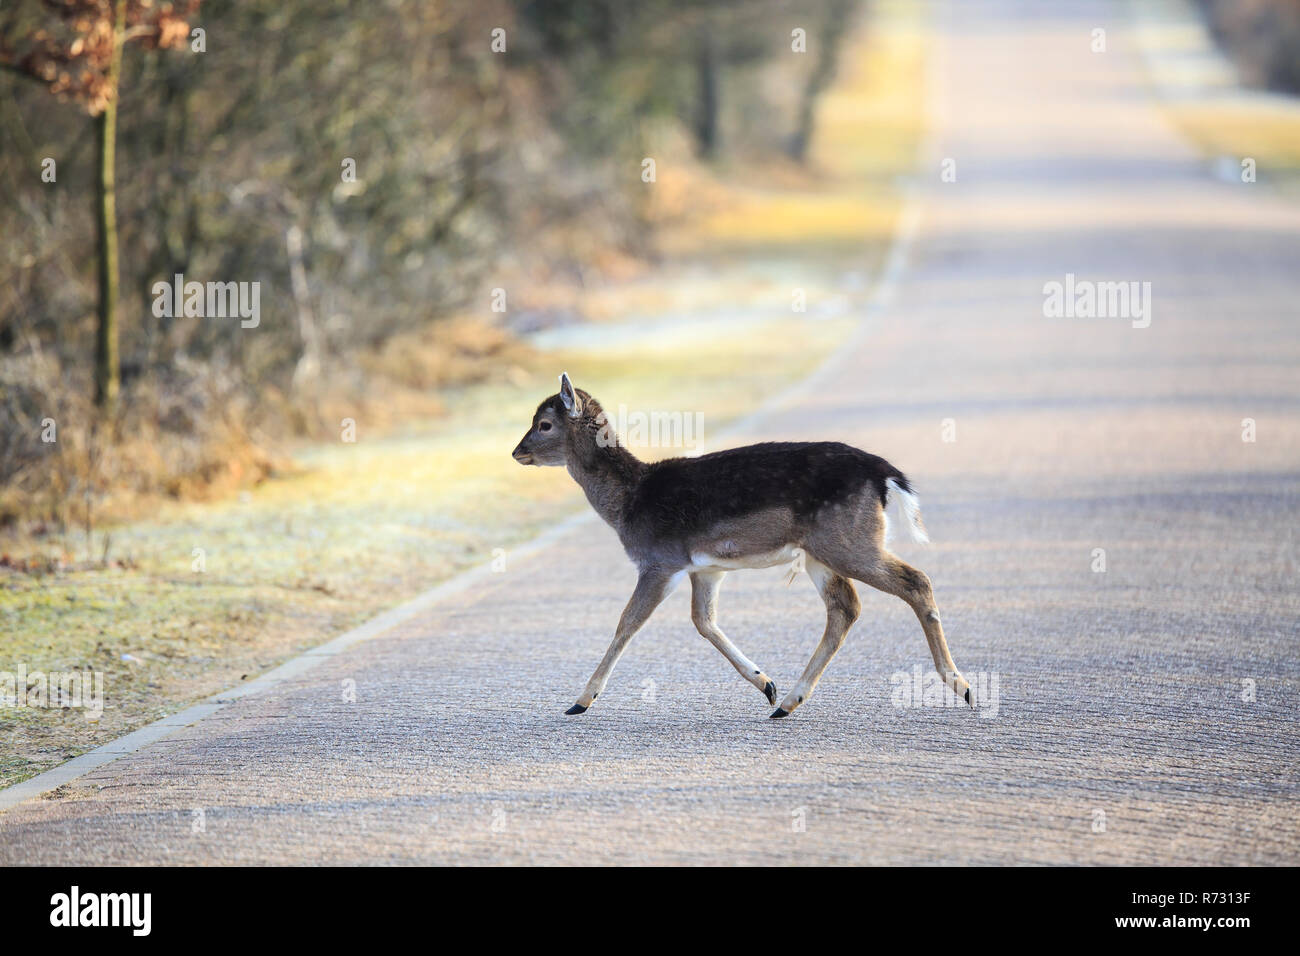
(1264, 131)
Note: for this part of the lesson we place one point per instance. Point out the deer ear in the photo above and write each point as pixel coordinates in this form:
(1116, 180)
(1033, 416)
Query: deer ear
(572, 404)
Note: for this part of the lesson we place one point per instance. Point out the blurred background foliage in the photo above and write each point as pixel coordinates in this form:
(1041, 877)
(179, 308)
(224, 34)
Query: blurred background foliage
(475, 170)
(1262, 37)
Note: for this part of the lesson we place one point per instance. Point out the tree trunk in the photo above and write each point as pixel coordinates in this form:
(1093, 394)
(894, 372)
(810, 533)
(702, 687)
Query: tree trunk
(707, 93)
(308, 367)
(107, 365)
(833, 27)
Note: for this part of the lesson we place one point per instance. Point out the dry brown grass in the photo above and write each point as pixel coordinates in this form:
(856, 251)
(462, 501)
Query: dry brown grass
(199, 437)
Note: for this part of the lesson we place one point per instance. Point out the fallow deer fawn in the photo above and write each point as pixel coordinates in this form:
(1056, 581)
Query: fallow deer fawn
(751, 507)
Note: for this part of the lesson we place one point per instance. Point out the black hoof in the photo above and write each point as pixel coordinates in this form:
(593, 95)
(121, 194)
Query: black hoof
(779, 713)
(968, 700)
(576, 709)
(770, 691)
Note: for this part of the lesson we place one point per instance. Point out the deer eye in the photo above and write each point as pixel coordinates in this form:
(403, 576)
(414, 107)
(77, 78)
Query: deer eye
(544, 427)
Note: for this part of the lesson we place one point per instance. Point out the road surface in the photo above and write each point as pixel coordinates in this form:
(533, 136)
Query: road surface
(1144, 713)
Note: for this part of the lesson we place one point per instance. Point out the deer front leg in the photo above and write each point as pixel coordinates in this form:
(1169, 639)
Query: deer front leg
(704, 614)
(651, 588)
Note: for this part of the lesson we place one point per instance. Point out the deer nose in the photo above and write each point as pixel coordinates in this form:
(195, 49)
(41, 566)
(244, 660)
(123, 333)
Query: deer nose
(521, 453)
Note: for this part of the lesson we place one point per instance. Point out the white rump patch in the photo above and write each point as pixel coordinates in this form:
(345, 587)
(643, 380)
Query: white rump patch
(910, 507)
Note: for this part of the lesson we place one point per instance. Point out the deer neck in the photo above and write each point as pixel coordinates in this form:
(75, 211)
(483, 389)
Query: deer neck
(607, 473)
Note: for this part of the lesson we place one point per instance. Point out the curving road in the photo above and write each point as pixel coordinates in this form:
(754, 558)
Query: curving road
(1144, 713)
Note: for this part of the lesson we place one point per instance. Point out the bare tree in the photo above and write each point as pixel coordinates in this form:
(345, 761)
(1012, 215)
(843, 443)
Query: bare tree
(74, 48)
(826, 44)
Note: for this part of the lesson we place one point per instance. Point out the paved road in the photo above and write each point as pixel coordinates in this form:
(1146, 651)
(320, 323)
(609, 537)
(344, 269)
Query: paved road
(1125, 730)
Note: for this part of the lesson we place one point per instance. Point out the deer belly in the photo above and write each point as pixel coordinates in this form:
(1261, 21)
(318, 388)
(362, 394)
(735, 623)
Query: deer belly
(728, 556)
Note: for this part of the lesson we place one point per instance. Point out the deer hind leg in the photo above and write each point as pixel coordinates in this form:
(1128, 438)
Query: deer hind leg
(842, 609)
(704, 614)
(896, 577)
